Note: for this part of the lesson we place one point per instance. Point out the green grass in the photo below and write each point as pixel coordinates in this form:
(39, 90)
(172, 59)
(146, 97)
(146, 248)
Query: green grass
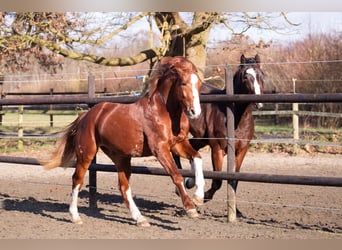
(34, 123)
(312, 140)
(38, 123)
(309, 134)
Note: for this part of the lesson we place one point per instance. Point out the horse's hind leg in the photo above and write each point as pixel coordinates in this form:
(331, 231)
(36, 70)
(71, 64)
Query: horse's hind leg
(124, 173)
(84, 158)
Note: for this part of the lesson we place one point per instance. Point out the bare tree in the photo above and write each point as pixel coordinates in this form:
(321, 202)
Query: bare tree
(46, 35)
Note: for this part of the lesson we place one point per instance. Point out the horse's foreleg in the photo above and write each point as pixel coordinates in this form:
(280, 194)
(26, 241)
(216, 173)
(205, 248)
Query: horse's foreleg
(217, 155)
(179, 183)
(239, 156)
(185, 150)
(196, 165)
(124, 173)
(166, 160)
(177, 161)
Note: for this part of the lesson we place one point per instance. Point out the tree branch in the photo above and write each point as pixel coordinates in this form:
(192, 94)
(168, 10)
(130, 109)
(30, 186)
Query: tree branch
(119, 61)
(102, 39)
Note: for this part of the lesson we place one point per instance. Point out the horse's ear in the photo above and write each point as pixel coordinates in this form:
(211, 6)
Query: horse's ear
(257, 58)
(242, 59)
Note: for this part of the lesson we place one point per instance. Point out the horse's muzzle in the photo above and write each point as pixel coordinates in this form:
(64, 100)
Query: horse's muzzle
(259, 105)
(192, 113)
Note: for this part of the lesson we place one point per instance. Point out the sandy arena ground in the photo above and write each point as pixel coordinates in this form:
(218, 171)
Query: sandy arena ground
(34, 204)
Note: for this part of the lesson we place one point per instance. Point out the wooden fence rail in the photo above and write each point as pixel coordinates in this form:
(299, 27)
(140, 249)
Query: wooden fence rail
(299, 113)
(227, 99)
(266, 98)
(248, 177)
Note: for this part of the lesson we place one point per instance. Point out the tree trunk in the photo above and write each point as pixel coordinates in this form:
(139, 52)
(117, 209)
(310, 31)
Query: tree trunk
(197, 43)
(184, 40)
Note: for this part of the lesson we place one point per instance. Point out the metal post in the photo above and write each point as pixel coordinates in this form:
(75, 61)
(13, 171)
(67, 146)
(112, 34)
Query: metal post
(1, 96)
(20, 144)
(295, 118)
(51, 108)
(91, 86)
(92, 173)
(93, 187)
(231, 200)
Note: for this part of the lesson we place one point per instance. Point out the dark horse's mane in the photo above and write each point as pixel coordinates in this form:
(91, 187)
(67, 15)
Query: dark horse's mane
(209, 89)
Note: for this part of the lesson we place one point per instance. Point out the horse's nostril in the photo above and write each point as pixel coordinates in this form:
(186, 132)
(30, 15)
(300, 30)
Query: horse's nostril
(192, 114)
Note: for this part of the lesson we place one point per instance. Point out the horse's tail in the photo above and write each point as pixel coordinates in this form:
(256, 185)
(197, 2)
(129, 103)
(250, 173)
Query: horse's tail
(64, 154)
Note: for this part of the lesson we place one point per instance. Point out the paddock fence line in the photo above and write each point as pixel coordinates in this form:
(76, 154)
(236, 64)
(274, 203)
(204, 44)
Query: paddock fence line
(265, 98)
(223, 175)
(230, 174)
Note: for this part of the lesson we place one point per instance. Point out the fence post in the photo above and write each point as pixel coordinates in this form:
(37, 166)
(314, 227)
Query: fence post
(93, 186)
(92, 173)
(51, 108)
(20, 144)
(91, 85)
(1, 95)
(295, 118)
(231, 199)
(276, 108)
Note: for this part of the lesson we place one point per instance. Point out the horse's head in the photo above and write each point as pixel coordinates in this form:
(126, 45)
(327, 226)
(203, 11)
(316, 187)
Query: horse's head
(177, 80)
(249, 79)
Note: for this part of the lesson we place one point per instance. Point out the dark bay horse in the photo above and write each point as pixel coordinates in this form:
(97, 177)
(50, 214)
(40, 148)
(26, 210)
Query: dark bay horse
(157, 124)
(210, 128)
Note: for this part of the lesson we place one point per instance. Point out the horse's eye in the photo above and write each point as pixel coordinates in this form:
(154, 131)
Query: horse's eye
(182, 84)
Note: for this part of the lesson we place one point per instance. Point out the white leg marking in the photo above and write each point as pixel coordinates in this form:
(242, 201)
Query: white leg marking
(135, 213)
(199, 179)
(75, 217)
(197, 104)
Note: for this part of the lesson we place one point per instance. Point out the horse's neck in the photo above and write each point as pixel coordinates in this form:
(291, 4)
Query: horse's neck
(242, 110)
(166, 100)
(210, 89)
(174, 107)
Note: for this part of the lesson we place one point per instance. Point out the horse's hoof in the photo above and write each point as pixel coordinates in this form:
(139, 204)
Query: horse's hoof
(143, 223)
(77, 221)
(198, 201)
(190, 183)
(192, 213)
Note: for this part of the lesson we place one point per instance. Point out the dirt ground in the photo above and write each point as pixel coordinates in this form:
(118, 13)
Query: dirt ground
(34, 204)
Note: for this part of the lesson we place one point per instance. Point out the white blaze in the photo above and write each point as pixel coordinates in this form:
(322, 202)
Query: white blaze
(256, 84)
(197, 105)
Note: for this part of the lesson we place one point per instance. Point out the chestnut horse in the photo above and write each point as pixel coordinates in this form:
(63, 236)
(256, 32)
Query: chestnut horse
(210, 128)
(157, 124)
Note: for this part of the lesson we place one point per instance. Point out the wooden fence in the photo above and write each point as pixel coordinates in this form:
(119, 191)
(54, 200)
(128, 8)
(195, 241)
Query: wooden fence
(230, 174)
